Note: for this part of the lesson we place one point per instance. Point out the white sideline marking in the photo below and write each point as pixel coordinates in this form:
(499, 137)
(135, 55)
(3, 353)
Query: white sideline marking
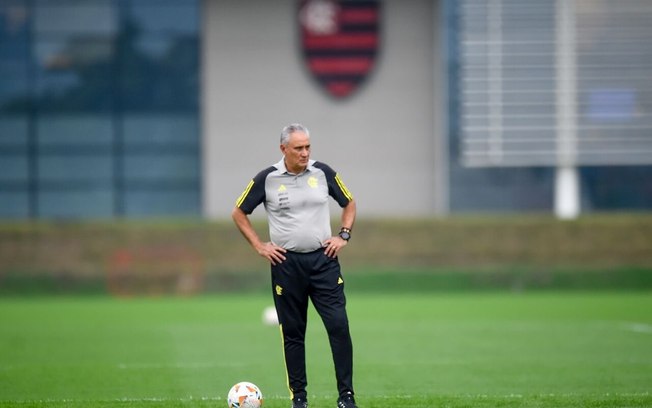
(639, 327)
(277, 397)
(148, 366)
(142, 366)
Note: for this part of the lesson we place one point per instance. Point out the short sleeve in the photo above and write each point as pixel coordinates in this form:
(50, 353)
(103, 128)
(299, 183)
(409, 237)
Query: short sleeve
(254, 193)
(336, 187)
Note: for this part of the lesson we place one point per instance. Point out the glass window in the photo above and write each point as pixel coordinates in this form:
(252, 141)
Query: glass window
(106, 92)
(75, 204)
(14, 165)
(160, 167)
(74, 75)
(75, 130)
(159, 203)
(13, 132)
(147, 66)
(14, 204)
(73, 168)
(617, 187)
(87, 17)
(164, 16)
(612, 64)
(161, 130)
(15, 168)
(13, 51)
(14, 25)
(14, 86)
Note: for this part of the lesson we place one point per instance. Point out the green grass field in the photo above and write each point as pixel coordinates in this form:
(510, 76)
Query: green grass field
(535, 349)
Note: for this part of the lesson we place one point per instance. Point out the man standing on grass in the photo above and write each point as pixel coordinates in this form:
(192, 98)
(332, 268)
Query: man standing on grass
(303, 255)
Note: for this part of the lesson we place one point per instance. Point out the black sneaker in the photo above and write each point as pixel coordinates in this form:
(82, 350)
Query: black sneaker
(346, 401)
(299, 403)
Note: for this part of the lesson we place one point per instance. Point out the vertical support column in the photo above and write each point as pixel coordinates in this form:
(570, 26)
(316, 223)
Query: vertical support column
(441, 128)
(208, 139)
(117, 119)
(567, 189)
(495, 74)
(33, 186)
(567, 185)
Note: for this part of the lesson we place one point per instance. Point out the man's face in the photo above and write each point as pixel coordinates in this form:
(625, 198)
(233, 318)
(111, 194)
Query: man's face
(297, 152)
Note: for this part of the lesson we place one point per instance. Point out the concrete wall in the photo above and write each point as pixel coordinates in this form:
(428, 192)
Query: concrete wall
(383, 140)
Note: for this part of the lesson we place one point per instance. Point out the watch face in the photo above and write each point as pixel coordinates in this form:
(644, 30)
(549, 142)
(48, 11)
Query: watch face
(345, 235)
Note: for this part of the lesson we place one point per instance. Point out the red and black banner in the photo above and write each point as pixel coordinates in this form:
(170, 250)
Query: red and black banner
(340, 40)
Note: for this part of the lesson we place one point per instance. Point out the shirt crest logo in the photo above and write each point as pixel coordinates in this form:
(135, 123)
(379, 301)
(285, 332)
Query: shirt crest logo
(282, 188)
(313, 182)
(279, 290)
(340, 40)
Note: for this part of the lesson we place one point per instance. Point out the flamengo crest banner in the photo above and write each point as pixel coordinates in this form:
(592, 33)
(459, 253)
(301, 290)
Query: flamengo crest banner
(340, 41)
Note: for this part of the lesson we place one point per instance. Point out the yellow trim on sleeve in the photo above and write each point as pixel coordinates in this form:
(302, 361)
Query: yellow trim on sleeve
(244, 194)
(342, 186)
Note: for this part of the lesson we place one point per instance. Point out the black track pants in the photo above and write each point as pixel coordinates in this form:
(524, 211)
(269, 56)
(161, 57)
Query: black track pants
(317, 277)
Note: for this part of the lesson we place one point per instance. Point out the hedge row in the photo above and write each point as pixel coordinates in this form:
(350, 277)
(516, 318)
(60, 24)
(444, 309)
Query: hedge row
(191, 255)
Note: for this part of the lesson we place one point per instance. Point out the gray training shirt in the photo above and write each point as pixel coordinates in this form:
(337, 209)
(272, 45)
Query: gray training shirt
(296, 204)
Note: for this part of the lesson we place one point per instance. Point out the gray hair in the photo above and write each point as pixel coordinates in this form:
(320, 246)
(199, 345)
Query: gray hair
(289, 129)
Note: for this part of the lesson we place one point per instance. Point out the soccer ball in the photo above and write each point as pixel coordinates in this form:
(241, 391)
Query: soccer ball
(245, 395)
(270, 318)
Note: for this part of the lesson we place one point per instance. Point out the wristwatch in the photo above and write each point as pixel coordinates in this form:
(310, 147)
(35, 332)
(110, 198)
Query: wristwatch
(345, 234)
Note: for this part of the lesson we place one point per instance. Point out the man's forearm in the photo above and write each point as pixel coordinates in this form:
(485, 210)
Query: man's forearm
(268, 250)
(246, 229)
(348, 215)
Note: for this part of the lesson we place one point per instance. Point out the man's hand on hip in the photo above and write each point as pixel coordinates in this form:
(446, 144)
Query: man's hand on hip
(272, 252)
(333, 246)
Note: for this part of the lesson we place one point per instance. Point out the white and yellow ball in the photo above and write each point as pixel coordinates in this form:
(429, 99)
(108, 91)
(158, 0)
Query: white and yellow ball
(245, 395)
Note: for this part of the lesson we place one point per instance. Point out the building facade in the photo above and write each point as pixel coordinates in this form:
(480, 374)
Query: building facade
(99, 108)
(150, 108)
